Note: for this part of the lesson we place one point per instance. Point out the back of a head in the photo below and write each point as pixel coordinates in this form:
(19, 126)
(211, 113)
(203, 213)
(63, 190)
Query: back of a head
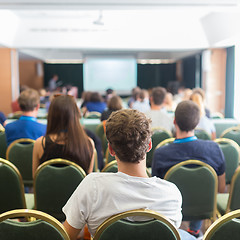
(199, 91)
(95, 97)
(158, 95)
(28, 100)
(143, 94)
(187, 115)
(115, 103)
(197, 98)
(128, 132)
(62, 114)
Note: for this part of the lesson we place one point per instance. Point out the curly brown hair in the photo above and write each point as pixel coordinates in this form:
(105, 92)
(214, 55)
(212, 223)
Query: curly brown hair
(128, 132)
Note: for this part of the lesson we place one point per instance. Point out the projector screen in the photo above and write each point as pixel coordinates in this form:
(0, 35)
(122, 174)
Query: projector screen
(118, 73)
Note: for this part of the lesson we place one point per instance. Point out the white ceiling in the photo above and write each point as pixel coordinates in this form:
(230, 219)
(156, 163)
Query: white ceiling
(72, 29)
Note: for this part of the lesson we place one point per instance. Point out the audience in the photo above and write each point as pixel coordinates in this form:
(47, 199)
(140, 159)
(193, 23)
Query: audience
(157, 113)
(114, 104)
(65, 137)
(27, 125)
(133, 98)
(101, 195)
(95, 104)
(142, 102)
(204, 123)
(186, 146)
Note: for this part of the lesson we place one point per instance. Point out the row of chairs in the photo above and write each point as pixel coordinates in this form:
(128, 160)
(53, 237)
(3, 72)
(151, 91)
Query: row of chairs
(155, 227)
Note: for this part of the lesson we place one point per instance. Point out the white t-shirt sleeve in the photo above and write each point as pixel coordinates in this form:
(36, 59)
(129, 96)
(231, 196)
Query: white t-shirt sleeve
(79, 206)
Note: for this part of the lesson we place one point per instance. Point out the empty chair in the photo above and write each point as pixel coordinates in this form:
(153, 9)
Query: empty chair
(54, 182)
(154, 227)
(229, 202)
(11, 188)
(226, 227)
(198, 183)
(231, 153)
(19, 153)
(159, 134)
(3, 144)
(232, 133)
(44, 227)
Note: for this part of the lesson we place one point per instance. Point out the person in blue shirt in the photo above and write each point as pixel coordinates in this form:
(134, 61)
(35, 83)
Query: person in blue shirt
(27, 125)
(2, 119)
(186, 146)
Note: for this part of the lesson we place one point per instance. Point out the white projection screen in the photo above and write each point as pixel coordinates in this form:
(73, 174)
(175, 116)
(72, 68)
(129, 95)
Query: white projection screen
(116, 72)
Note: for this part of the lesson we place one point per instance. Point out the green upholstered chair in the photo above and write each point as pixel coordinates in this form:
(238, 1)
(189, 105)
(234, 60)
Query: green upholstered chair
(232, 133)
(165, 142)
(229, 202)
(201, 134)
(19, 153)
(100, 130)
(43, 227)
(111, 167)
(101, 134)
(93, 115)
(198, 184)
(117, 227)
(231, 154)
(54, 182)
(11, 188)
(226, 227)
(95, 166)
(159, 134)
(109, 157)
(3, 144)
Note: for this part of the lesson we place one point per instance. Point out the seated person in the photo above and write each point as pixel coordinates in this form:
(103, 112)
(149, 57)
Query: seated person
(65, 137)
(142, 102)
(114, 104)
(95, 104)
(27, 125)
(158, 114)
(205, 123)
(97, 197)
(186, 146)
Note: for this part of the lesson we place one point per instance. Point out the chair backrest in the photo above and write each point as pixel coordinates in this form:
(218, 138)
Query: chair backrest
(226, 227)
(111, 167)
(44, 227)
(152, 226)
(19, 153)
(54, 182)
(93, 115)
(232, 133)
(201, 134)
(165, 142)
(11, 187)
(95, 166)
(234, 194)
(3, 144)
(101, 134)
(159, 134)
(198, 183)
(109, 158)
(231, 153)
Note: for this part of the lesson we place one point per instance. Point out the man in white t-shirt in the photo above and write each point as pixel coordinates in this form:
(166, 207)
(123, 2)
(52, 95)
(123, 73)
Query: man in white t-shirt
(158, 113)
(101, 195)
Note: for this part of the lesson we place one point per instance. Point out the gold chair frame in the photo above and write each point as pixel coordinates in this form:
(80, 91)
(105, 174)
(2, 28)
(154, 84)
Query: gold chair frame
(3, 161)
(230, 141)
(200, 163)
(51, 162)
(108, 165)
(156, 129)
(229, 130)
(38, 215)
(21, 140)
(164, 142)
(225, 218)
(139, 212)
